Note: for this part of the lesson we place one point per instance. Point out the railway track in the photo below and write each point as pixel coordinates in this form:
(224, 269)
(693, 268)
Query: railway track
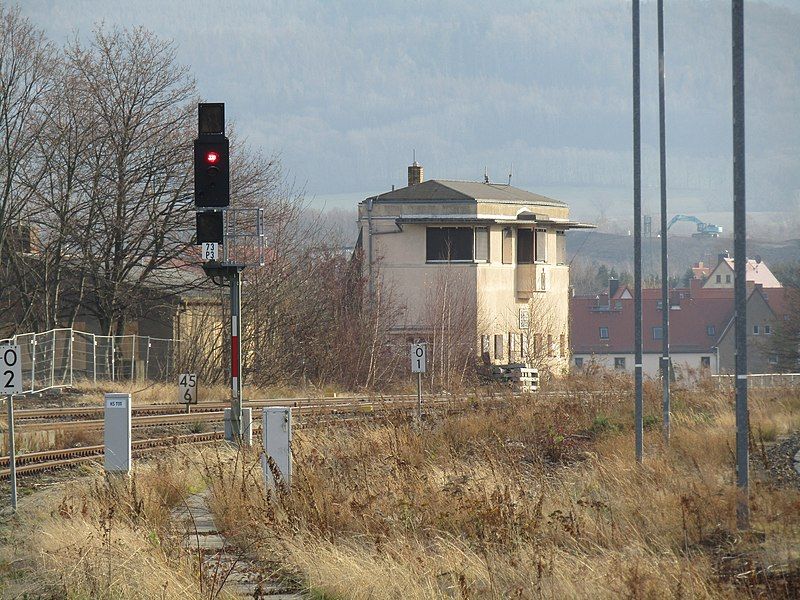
(333, 410)
(36, 462)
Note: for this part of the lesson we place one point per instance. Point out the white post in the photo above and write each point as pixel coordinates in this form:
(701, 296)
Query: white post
(113, 359)
(147, 360)
(276, 431)
(94, 357)
(133, 355)
(117, 433)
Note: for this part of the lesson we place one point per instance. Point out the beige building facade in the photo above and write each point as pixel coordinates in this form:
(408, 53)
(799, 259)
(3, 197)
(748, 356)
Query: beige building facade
(489, 259)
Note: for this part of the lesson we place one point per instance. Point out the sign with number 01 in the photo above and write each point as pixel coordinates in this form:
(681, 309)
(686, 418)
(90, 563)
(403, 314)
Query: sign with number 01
(187, 388)
(418, 358)
(11, 368)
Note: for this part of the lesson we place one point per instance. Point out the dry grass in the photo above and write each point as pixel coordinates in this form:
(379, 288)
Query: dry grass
(528, 502)
(104, 537)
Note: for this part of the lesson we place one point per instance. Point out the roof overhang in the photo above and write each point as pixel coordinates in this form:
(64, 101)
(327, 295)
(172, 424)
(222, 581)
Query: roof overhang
(490, 219)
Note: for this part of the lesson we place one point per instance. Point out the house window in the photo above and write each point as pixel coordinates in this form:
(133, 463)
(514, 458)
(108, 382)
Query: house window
(485, 347)
(498, 346)
(523, 343)
(508, 236)
(482, 244)
(550, 349)
(524, 246)
(711, 330)
(618, 304)
(727, 278)
(512, 346)
(579, 361)
(604, 333)
(659, 304)
(561, 248)
(449, 244)
(562, 345)
(619, 362)
(773, 359)
(537, 344)
(767, 330)
(705, 362)
(658, 333)
(756, 330)
(541, 245)
(719, 278)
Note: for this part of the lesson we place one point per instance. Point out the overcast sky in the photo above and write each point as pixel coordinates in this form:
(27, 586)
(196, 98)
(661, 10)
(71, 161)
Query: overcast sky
(344, 91)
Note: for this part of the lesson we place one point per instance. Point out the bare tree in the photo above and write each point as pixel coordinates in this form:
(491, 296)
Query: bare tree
(138, 182)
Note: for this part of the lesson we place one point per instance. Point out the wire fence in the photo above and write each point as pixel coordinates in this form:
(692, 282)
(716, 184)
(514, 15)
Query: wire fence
(63, 357)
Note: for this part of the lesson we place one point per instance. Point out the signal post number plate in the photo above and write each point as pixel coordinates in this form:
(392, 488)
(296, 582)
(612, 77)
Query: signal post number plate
(10, 370)
(210, 251)
(187, 388)
(418, 358)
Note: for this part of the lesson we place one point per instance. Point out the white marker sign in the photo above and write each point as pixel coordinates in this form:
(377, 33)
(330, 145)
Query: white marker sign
(419, 355)
(210, 251)
(187, 388)
(10, 370)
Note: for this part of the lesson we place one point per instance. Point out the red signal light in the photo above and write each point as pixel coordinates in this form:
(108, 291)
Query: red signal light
(212, 157)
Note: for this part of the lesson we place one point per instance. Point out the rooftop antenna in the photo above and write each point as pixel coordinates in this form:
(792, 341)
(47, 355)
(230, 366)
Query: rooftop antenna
(485, 175)
(510, 171)
(414, 156)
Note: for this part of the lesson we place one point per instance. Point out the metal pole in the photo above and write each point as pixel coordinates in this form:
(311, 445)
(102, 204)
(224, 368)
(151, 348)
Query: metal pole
(147, 359)
(33, 363)
(133, 356)
(94, 357)
(53, 361)
(419, 396)
(637, 234)
(71, 362)
(12, 456)
(236, 355)
(662, 127)
(739, 265)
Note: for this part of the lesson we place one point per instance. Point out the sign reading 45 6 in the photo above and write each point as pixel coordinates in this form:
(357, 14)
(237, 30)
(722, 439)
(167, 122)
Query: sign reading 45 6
(10, 370)
(187, 388)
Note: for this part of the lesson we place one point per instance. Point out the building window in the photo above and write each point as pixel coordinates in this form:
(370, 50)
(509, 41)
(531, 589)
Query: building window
(773, 359)
(498, 346)
(619, 362)
(579, 362)
(512, 346)
(482, 244)
(767, 330)
(550, 349)
(719, 279)
(727, 278)
(705, 362)
(659, 305)
(711, 330)
(524, 246)
(562, 345)
(537, 344)
(617, 304)
(561, 248)
(523, 344)
(541, 245)
(449, 244)
(485, 347)
(604, 333)
(658, 333)
(755, 330)
(508, 236)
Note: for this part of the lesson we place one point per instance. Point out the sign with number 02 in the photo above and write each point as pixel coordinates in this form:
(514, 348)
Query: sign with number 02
(187, 388)
(418, 358)
(11, 369)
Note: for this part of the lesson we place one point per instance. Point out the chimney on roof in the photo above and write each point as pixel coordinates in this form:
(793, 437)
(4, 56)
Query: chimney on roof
(415, 174)
(722, 256)
(613, 287)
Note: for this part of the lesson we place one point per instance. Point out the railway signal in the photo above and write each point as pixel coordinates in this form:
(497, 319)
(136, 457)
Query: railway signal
(211, 158)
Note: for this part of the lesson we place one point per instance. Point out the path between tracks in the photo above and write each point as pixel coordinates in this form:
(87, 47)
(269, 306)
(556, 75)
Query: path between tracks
(223, 565)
